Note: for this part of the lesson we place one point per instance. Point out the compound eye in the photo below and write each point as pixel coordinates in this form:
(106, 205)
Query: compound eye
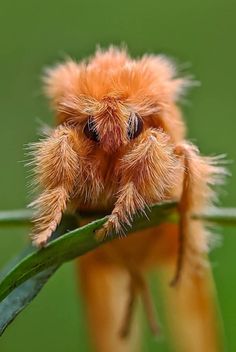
(90, 130)
(135, 125)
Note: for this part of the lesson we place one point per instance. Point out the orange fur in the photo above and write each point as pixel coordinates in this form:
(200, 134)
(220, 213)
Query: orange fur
(120, 146)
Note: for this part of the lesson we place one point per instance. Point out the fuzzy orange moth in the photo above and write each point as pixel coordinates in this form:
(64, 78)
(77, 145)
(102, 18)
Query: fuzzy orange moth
(119, 146)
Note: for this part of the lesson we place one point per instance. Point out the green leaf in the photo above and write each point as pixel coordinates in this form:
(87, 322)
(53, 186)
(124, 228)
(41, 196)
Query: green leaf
(21, 296)
(19, 299)
(71, 245)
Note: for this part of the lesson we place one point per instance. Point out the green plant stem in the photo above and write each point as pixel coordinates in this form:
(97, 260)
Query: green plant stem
(221, 216)
(15, 217)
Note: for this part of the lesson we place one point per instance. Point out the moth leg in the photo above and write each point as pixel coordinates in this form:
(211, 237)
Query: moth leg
(56, 165)
(200, 173)
(127, 323)
(183, 220)
(129, 202)
(138, 285)
(147, 303)
(148, 171)
(50, 206)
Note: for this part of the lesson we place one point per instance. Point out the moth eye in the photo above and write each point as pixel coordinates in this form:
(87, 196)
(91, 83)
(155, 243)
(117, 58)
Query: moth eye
(90, 130)
(135, 126)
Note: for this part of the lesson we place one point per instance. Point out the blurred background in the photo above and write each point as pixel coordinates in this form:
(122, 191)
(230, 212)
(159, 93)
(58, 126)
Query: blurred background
(35, 34)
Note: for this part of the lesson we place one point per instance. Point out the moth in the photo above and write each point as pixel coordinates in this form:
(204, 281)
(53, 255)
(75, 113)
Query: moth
(120, 146)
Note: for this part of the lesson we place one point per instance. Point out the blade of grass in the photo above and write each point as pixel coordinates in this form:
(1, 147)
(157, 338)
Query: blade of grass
(22, 295)
(15, 217)
(71, 245)
(221, 216)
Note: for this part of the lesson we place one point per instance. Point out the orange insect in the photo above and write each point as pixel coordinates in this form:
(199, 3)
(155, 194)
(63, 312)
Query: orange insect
(120, 146)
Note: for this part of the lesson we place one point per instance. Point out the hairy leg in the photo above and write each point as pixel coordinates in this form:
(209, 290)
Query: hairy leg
(148, 172)
(57, 165)
(200, 173)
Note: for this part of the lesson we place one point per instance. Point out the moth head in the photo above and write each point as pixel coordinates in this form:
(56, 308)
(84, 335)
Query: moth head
(113, 129)
(113, 97)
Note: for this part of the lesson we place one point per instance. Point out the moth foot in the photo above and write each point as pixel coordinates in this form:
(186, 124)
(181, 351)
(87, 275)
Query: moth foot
(109, 228)
(40, 240)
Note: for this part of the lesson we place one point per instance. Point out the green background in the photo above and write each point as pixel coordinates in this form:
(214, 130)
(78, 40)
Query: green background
(35, 34)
